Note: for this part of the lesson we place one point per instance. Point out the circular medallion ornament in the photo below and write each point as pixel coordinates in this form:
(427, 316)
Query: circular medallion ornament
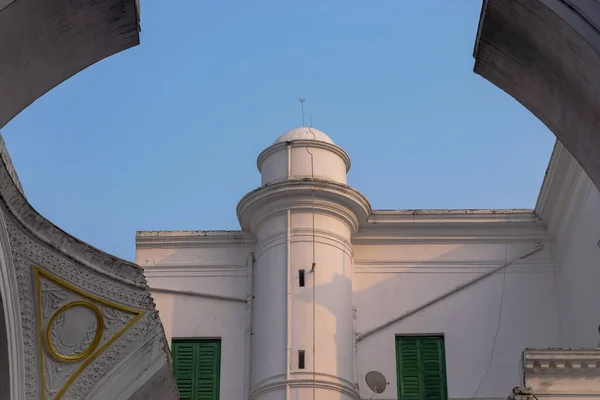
(74, 331)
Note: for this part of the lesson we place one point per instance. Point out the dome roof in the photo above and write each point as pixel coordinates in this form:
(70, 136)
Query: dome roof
(304, 133)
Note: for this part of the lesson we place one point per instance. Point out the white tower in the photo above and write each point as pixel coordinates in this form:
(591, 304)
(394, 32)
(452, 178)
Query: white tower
(303, 216)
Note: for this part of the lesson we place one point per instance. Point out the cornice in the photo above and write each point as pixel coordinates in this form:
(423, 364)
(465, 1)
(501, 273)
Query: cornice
(445, 226)
(452, 215)
(304, 194)
(178, 239)
(306, 143)
(538, 361)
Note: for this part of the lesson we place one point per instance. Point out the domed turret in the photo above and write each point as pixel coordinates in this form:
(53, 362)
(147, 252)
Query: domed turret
(303, 153)
(303, 217)
(304, 133)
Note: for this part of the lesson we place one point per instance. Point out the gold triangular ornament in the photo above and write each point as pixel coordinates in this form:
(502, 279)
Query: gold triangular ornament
(74, 327)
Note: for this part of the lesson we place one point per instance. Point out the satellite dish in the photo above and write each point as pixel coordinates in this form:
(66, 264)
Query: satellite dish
(376, 381)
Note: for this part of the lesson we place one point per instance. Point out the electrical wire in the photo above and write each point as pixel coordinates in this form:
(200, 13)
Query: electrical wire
(497, 327)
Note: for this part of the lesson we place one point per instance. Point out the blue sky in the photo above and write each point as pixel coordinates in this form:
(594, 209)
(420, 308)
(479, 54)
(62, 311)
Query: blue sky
(165, 136)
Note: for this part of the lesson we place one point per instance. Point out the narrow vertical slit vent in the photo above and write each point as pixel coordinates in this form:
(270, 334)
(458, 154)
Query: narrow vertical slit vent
(300, 359)
(301, 276)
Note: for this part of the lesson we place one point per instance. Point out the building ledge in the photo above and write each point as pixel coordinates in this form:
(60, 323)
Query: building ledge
(554, 360)
(170, 239)
(562, 374)
(451, 225)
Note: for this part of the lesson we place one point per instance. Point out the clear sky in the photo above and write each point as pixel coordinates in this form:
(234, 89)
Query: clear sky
(165, 136)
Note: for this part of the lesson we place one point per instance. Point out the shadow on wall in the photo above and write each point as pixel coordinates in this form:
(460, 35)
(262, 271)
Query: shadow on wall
(518, 305)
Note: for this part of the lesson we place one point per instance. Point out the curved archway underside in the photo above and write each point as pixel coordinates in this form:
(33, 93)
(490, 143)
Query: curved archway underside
(545, 54)
(79, 322)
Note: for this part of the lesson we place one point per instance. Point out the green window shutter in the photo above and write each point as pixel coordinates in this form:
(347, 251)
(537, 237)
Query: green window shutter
(208, 371)
(421, 370)
(183, 368)
(197, 368)
(434, 374)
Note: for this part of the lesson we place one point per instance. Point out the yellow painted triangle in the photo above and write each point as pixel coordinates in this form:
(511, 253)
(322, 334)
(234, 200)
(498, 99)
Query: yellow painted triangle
(59, 297)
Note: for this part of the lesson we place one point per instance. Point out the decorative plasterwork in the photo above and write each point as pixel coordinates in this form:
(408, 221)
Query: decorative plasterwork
(540, 361)
(75, 328)
(9, 165)
(52, 236)
(561, 373)
(29, 240)
(27, 253)
(12, 315)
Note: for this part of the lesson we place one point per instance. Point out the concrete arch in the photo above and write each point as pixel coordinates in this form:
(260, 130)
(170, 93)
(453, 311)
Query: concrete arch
(546, 54)
(11, 332)
(43, 43)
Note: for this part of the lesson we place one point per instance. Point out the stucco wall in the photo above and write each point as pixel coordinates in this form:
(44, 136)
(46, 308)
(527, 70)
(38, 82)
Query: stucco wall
(216, 269)
(392, 279)
(578, 278)
(389, 279)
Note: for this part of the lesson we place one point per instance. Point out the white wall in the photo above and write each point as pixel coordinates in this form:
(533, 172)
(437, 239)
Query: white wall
(220, 270)
(389, 279)
(578, 280)
(392, 279)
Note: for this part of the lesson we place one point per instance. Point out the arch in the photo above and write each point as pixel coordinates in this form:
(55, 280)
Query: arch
(62, 38)
(11, 332)
(546, 55)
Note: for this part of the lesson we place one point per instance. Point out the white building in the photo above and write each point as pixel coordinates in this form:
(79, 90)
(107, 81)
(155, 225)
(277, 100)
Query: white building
(317, 289)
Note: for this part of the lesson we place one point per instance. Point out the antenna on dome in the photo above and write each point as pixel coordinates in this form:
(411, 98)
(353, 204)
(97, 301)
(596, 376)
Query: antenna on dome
(302, 100)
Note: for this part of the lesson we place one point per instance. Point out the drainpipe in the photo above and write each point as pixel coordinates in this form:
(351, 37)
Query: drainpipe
(361, 336)
(288, 365)
(249, 304)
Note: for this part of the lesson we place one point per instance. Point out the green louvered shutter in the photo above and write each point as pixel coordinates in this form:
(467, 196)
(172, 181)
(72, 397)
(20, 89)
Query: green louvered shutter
(197, 368)
(183, 368)
(421, 368)
(208, 371)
